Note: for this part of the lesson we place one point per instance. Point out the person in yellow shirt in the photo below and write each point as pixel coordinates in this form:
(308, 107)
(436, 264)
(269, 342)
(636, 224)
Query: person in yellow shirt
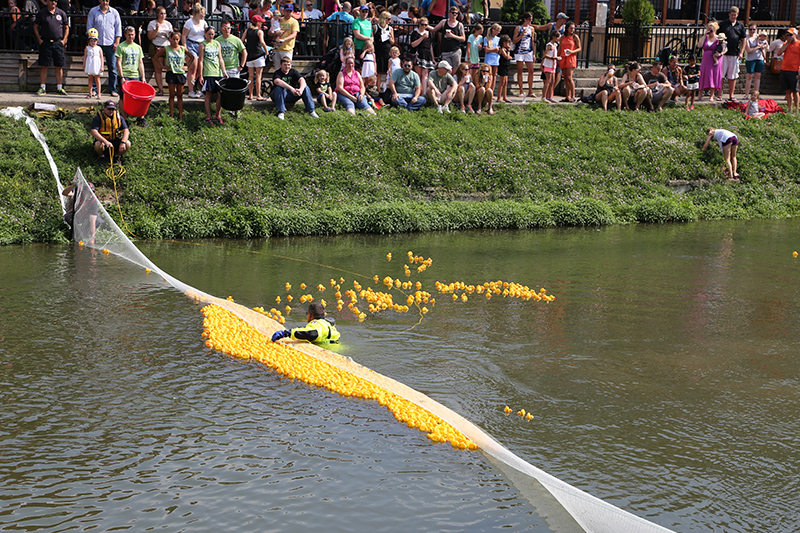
(285, 41)
(319, 330)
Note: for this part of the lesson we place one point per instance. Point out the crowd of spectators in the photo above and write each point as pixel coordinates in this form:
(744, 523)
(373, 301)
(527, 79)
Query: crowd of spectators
(452, 65)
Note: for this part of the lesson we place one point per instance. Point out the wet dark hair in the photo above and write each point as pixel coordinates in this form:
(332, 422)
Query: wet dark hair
(316, 309)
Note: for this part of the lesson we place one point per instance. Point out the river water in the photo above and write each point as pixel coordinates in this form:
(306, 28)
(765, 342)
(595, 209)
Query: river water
(663, 379)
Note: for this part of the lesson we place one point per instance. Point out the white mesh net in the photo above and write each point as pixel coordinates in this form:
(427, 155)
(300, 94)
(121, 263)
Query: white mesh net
(564, 507)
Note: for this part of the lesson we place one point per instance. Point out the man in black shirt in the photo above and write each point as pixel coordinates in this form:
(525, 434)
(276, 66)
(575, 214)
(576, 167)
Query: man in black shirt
(735, 35)
(51, 29)
(290, 87)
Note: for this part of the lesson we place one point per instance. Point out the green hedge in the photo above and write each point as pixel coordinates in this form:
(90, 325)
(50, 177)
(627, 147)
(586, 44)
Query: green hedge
(533, 167)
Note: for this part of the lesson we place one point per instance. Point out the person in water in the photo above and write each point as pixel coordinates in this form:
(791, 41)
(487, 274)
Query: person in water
(319, 330)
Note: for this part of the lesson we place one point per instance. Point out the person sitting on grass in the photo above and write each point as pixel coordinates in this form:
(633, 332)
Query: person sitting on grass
(484, 95)
(350, 89)
(319, 330)
(210, 72)
(441, 87)
(633, 87)
(608, 89)
(110, 133)
(465, 93)
(290, 87)
(660, 88)
(405, 87)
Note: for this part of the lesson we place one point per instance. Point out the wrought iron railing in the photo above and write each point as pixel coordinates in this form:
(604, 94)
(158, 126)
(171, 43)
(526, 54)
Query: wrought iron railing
(313, 41)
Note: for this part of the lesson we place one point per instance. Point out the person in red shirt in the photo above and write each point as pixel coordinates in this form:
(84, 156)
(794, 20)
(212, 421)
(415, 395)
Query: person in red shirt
(791, 65)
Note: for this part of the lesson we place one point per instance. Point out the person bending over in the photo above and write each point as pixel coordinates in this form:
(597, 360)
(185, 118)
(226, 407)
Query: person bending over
(319, 330)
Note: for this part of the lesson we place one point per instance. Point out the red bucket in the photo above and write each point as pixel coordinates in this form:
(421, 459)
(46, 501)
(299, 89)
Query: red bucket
(138, 96)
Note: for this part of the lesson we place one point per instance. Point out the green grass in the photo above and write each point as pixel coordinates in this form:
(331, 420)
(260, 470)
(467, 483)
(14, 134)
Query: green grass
(398, 172)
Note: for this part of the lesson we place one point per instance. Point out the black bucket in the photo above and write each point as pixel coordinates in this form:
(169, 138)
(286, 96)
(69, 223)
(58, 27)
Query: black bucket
(234, 91)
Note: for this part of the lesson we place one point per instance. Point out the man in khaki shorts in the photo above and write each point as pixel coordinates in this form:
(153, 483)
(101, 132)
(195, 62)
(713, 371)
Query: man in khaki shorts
(288, 33)
(735, 35)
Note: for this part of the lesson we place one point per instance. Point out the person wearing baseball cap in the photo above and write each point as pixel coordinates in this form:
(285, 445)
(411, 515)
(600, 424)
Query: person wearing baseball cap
(110, 132)
(560, 25)
(362, 29)
(789, 67)
(442, 87)
(289, 28)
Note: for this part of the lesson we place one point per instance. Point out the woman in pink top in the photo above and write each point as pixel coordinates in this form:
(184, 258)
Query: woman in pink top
(350, 90)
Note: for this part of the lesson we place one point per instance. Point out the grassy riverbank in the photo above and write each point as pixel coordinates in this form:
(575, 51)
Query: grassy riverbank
(522, 168)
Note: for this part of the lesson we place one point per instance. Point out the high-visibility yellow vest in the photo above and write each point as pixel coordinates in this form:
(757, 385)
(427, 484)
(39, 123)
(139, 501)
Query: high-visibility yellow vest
(110, 127)
(326, 332)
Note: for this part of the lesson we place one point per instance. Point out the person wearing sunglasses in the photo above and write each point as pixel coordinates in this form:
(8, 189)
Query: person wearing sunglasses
(755, 49)
(311, 12)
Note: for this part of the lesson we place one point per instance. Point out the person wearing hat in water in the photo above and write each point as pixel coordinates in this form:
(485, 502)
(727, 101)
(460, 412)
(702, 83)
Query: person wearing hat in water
(110, 130)
(442, 87)
(319, 330)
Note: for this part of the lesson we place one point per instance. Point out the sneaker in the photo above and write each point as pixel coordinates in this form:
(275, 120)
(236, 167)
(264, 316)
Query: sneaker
(41, 91)
(62, 92)
(102, 161)
(446, 108)
(280, 116)
(313, 114)
(439, 107)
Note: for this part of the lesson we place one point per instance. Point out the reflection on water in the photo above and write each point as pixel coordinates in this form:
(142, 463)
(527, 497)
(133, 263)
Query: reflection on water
(663, 379)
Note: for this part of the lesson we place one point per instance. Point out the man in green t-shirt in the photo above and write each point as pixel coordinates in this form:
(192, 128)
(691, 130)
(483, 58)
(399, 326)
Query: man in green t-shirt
(405, 87)
(362, 28)
(232, 46)
(130, 65)
(442, 87)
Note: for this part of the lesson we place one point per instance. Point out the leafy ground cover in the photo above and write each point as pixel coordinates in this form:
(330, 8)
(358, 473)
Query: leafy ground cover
(526, 167)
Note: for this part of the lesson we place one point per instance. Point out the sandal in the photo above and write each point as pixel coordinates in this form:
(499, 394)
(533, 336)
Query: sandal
(208, 121)
(260, 98)
(219, 119)
(90, 95)
(159, 93)
(490, 112)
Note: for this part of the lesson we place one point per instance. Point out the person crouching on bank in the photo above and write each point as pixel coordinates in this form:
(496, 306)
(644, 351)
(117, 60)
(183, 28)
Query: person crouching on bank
(110, 131)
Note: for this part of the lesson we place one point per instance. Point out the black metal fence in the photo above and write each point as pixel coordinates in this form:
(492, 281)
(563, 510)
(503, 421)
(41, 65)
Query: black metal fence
(648, 43)
(314, 39)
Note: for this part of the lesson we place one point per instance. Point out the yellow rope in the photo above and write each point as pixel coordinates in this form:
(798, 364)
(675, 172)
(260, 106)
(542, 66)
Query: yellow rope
(114, 174)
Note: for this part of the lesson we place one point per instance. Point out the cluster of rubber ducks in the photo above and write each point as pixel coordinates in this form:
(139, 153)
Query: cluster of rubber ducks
(361, 300)
(491, 288)
(521, 412)
(229, 334)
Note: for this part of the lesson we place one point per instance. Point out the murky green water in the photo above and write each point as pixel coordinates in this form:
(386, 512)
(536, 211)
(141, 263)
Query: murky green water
(664, 379)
